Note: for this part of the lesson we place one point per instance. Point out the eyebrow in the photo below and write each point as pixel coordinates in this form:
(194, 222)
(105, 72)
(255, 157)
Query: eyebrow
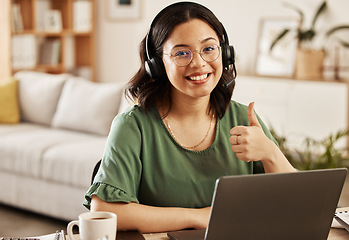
(203, 41)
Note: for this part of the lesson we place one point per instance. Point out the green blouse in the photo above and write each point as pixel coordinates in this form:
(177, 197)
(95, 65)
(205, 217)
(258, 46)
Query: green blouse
(142, 162)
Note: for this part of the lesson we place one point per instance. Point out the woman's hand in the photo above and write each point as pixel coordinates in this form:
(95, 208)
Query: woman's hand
(251, 144)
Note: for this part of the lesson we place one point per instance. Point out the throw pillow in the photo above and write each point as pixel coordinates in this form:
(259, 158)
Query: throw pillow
(38, 95)
(87, 106)
(9, 108)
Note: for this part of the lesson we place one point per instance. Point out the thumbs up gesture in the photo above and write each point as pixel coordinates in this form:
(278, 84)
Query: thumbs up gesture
(249, 142)
(252, 118)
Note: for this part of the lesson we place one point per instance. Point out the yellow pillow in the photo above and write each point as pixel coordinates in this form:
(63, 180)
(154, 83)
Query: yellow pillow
(9, 107)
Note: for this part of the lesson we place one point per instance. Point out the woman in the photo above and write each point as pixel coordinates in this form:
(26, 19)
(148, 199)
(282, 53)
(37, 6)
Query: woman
(164, 155)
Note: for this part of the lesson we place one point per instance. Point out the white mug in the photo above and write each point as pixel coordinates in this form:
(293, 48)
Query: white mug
(94, 226)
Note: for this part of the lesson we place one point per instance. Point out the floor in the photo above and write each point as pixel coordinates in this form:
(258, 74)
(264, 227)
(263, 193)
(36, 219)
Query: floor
(18, 223)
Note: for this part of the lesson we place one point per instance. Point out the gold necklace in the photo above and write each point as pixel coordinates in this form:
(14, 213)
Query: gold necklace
(174, 137)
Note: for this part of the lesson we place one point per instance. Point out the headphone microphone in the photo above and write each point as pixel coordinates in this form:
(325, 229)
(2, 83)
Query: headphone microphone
(226, 84)
(156, 70)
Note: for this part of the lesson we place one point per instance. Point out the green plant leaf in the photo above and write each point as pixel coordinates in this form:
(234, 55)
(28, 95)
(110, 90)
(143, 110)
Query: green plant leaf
(335, 29)
(320, 10)
(278, 38)
(343, 43)
(306, 35)
(316, 154)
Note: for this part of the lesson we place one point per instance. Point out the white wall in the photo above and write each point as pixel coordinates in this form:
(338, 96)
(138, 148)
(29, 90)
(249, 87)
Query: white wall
(118, 41)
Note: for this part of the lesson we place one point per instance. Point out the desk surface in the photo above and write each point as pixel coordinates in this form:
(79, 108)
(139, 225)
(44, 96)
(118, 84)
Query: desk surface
(335, 234)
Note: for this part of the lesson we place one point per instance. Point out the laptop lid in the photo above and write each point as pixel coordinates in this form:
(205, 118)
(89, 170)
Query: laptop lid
(273, 206)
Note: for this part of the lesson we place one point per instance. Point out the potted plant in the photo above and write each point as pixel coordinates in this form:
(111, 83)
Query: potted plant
(316, 154)
(309, 61)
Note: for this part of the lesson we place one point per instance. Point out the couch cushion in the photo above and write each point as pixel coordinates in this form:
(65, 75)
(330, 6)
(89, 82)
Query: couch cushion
(9, 107)
(38, 95)
(21, 148)
(42, 152)
(18, 128)
(87, 106)
(72, 162)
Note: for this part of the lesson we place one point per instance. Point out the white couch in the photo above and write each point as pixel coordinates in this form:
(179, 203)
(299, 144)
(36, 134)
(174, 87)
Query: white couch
(46, 161)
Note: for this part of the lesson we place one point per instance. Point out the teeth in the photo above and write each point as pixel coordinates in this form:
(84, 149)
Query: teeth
(198, 78)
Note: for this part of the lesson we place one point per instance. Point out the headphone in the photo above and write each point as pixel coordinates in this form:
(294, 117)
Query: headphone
(155, 69)
(153, 65)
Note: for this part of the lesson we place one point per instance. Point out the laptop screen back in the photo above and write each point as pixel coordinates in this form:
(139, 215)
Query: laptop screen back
(275, 206)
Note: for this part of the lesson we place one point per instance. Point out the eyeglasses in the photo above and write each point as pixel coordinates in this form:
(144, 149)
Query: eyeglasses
(183, 57)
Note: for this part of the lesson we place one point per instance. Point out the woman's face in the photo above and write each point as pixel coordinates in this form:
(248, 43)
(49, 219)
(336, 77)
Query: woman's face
(198, 78)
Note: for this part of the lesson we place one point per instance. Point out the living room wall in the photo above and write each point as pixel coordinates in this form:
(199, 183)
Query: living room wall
(118, 41)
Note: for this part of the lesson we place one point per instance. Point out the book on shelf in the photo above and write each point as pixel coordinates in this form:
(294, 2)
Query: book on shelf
(82, 19)
(41, 7)
(50, 52)
(24, 51)
(17, 21)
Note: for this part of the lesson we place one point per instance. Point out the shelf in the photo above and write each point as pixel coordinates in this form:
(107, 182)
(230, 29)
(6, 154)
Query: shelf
(293, 78)
(43, 33)
(68, 42)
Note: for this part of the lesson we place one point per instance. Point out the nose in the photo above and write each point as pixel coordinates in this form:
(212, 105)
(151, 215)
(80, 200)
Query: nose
(197, 59)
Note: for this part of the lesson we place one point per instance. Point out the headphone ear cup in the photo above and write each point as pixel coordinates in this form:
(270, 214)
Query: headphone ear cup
(228, 56)
(148, 68)
(154, 68)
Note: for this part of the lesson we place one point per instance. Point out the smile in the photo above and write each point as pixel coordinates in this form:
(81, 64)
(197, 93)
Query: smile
(198, 78)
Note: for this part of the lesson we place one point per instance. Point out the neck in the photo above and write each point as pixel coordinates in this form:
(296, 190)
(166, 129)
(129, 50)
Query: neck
(186, 107)
(186, 117)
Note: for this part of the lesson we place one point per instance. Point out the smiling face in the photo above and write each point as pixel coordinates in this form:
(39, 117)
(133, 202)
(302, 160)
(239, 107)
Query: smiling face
(199, 77)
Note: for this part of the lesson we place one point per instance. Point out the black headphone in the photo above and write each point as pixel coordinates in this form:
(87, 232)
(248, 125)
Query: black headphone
(153, 65)
(155, 69)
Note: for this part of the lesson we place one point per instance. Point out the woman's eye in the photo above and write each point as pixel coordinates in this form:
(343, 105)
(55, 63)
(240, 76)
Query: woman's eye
(209, 49)
(182, 53)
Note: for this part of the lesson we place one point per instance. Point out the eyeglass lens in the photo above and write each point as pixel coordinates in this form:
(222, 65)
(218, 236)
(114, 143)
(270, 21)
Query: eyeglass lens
(183, 57)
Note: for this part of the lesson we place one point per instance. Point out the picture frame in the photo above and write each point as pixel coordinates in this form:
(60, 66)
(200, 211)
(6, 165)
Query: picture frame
(280, 61)
(123, 9)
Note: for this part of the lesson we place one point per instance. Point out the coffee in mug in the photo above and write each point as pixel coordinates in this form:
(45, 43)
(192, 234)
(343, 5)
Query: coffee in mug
(94, 226)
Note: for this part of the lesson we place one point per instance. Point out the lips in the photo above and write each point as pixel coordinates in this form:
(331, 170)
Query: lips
(198, 77)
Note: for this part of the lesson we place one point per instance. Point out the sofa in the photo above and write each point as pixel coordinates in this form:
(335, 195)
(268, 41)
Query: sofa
(53, 129)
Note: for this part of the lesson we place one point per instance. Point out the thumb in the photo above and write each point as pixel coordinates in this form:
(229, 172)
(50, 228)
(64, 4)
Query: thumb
(252, 118)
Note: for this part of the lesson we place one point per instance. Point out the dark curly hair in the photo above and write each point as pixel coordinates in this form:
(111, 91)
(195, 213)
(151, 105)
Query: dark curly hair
(148, 91)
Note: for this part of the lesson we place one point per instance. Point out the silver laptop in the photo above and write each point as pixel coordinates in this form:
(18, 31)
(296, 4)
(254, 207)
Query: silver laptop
(273, 206)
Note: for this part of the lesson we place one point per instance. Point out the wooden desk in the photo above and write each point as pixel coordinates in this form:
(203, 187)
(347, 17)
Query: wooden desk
(335, 234)
(156, 236)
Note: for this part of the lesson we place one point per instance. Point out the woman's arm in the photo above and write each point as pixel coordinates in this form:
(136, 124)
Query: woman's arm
(251, 144)
(134, 216)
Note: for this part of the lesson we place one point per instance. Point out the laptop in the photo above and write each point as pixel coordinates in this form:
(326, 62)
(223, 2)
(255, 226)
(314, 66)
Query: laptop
(273, 206)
